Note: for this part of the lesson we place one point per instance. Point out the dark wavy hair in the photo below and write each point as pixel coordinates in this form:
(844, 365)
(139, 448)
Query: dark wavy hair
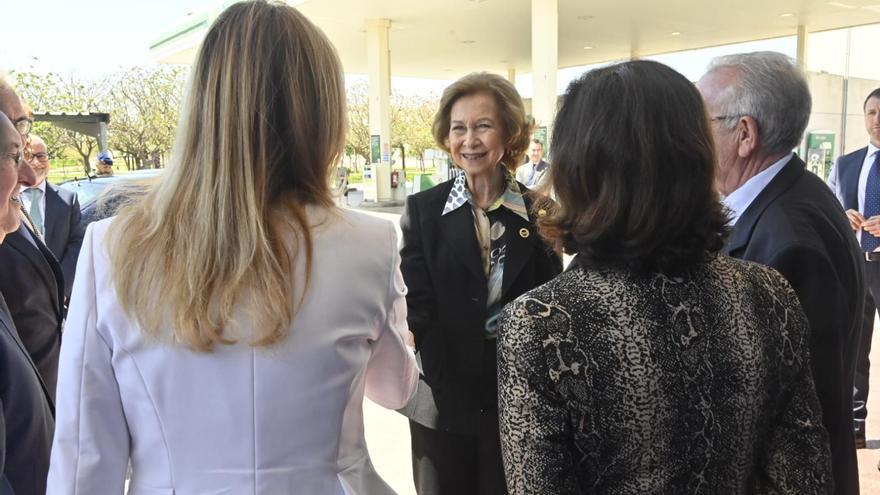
(633, 171)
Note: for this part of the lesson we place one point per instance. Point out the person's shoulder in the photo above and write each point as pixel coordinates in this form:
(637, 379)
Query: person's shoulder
(853, 155)
(746, 273)
(806, 210)
(431, 201)
(64, 194)
(350, 229)
(441, 190)
(360, 220)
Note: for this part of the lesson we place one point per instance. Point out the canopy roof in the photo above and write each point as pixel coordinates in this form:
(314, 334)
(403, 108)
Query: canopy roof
(445, 38)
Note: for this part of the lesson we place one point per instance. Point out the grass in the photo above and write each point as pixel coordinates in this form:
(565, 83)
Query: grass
(65, 169)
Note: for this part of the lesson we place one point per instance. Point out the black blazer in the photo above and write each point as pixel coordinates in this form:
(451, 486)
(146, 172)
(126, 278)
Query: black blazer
(64, 230)
(26, 424)
(798, 227)
(33, 286)
(446, 302)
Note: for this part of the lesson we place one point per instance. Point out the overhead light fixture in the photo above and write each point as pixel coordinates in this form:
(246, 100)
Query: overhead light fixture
(584, 17)
(588, 48)
(787, 14)
(467, 42)
(675, 33)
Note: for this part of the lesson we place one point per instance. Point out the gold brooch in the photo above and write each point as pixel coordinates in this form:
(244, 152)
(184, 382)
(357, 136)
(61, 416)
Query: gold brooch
(524, 233)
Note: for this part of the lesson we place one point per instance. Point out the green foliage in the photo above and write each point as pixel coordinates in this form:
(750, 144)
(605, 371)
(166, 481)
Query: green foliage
(411, 119)
(143, 103)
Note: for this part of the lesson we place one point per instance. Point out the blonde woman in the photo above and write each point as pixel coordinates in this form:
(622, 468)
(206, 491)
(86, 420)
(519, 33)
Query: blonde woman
(224, 329)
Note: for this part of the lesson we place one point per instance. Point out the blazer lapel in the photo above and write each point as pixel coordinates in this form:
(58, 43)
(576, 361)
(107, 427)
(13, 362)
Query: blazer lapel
(521, 238)
(849, 172)
(457, 228)
(43, 260)
(54, 212)
(742, 231)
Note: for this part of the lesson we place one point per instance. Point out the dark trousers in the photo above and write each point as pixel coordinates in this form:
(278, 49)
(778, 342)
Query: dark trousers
(863, 364)
(446, 463)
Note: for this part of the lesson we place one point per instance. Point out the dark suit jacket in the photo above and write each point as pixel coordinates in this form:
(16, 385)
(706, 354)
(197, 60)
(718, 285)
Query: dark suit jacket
(64, 230)
(798, 227)
(33, 286)
(26, 424)
(446, 303)
(849, 167)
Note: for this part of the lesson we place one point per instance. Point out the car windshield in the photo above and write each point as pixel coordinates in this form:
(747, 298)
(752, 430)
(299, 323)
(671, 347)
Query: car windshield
(86, 191)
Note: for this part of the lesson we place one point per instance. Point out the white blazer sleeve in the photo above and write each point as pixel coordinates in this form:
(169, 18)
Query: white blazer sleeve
(91, 445)
(392, 373)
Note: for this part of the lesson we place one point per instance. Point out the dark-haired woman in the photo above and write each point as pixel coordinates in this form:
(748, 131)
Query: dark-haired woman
(652, 365)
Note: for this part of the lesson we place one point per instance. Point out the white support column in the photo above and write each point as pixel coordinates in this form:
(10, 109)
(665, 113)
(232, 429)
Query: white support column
(545, 61)
(511, 75)
(802, 50)
(379, 73)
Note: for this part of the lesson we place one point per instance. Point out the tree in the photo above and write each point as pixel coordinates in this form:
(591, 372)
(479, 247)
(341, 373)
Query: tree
(145, 107)
(53, 93)
(411, 119)
(357, 142)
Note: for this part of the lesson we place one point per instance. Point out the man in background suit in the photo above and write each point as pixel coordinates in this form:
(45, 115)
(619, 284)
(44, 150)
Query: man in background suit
(26, 424)
(534, 172)
(787, 218)
(55, 213)
(32, 281)
(856, 182)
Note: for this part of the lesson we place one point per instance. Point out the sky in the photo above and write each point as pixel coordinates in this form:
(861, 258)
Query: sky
(86, 36)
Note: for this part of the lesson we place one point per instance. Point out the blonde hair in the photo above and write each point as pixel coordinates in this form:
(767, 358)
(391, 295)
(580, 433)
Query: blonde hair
(263, 122)
(516, 126)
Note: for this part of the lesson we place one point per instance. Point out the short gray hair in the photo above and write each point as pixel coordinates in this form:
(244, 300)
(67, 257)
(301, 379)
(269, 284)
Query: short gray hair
(771, 89)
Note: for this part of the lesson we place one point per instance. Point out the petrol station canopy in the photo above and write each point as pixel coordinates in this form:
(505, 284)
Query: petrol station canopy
(443, 39)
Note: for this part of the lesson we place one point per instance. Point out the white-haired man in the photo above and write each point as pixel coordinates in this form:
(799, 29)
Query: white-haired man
(26, 416)
(787, 218)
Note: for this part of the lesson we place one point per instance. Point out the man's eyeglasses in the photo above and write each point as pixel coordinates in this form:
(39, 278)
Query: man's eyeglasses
(43, 157)
(17, 158)
(23, 126)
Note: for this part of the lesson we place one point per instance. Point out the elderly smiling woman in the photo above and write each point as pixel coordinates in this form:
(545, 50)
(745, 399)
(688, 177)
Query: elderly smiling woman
(469, 247)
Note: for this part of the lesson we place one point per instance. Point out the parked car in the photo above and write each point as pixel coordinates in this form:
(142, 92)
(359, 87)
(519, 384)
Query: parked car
(100, 197)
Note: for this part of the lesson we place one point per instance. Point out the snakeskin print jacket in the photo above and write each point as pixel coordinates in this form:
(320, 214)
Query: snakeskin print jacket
(613, 382)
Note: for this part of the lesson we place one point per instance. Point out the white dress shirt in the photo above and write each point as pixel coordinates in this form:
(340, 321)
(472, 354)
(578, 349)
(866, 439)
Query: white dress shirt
(286, 419)
(738, 201)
